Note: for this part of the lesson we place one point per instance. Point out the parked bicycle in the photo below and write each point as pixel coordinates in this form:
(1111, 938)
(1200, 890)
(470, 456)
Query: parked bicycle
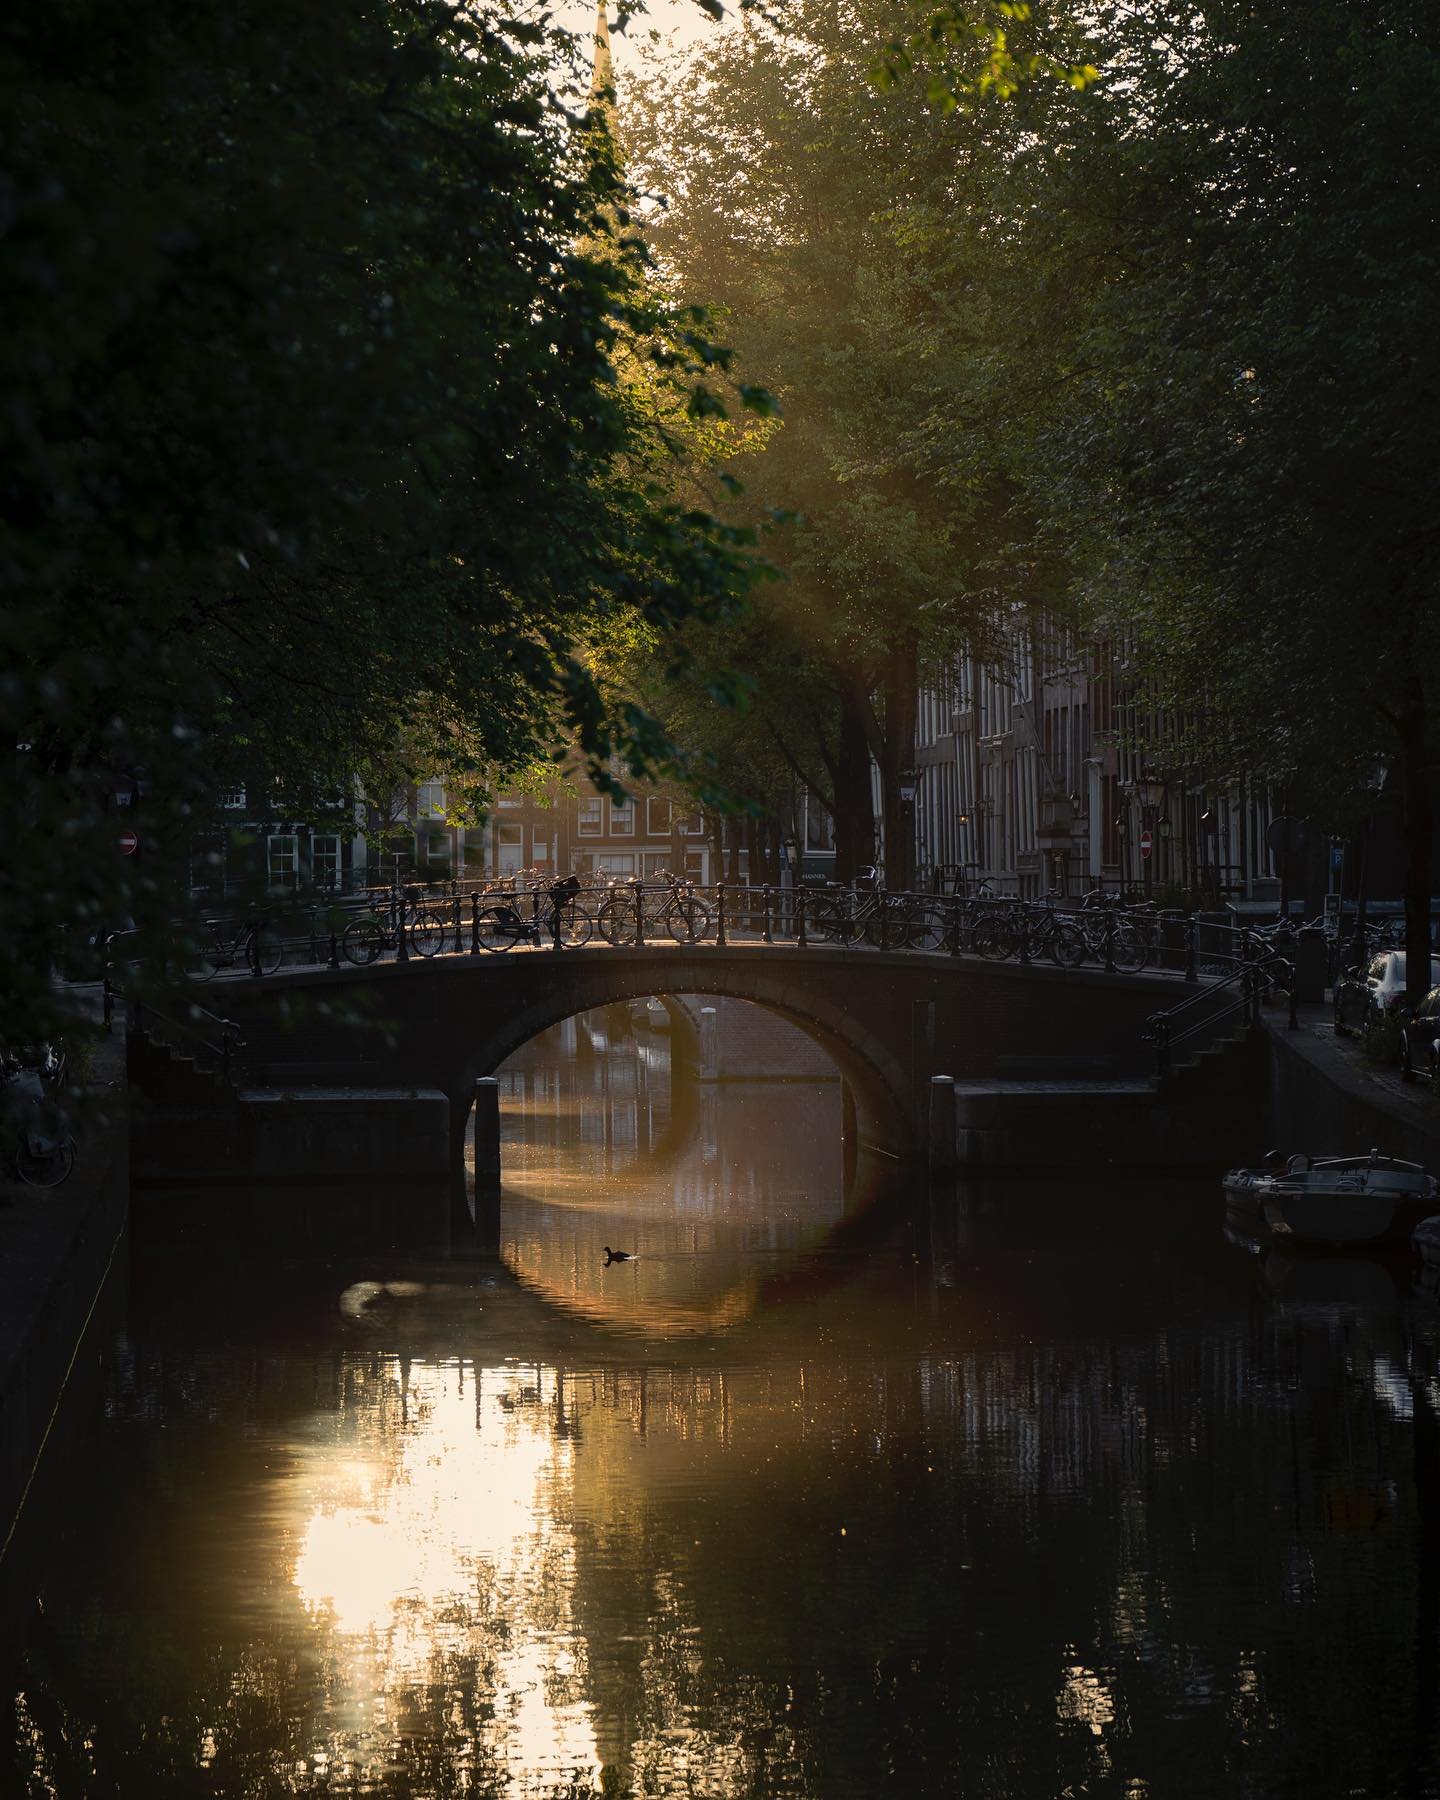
(868, 913)
(366, 939)
(673, 909)
(563, 919)
(1115, 934)
(45, 1149)
(1030, 930)
(251, 944)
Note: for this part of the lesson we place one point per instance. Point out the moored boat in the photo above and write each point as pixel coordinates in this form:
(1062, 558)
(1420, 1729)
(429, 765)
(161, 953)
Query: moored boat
(1344, 1199)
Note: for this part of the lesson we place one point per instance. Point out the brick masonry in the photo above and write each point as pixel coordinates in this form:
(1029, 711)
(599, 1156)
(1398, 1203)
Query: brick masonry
(890, 1020)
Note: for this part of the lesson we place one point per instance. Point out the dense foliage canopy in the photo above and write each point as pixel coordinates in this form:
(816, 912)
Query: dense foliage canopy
(313, 452)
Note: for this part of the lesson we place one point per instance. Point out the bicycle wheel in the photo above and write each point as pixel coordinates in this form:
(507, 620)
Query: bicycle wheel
(996, 938)
(427, 931)
(1065, 945)
(825, 918)
(206, 962)
(362, 942)
(925, 927)
(616, 920)
(1130, 953)
(499, 928)
(44, 1169)
(688, 920)
(266, 950)
(576, 924)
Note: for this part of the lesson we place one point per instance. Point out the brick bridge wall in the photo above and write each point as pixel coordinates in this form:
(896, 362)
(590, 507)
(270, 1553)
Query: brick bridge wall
(889, 1020)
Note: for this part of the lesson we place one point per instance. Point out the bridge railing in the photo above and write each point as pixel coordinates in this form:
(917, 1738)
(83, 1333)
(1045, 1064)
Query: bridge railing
(412, 922)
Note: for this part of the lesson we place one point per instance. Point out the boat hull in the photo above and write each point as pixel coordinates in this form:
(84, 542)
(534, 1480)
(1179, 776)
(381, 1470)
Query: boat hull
(1333, 1218)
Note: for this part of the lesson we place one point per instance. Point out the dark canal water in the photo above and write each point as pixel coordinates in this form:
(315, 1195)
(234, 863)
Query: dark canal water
(841, 1488)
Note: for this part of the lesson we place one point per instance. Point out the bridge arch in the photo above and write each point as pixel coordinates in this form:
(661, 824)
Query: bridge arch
(877, 1081)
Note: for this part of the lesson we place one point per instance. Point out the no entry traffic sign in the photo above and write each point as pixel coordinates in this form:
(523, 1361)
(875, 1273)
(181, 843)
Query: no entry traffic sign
(129, 843)
(1145, 843)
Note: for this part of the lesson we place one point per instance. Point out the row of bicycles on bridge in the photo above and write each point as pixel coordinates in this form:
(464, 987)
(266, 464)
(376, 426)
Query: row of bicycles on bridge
(411, 921)
(1103, 929)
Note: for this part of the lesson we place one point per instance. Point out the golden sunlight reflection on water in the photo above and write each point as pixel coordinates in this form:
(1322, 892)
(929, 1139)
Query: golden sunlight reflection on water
(424, 1540)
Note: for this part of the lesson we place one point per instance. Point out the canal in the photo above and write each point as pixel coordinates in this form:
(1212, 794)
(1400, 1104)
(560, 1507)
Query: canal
(840, 1486)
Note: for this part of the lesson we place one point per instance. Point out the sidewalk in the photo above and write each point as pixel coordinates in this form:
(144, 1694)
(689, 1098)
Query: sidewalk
(57, 1247)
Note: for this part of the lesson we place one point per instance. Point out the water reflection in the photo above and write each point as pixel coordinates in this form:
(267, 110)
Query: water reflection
(1031, 1489)
(711, 1186)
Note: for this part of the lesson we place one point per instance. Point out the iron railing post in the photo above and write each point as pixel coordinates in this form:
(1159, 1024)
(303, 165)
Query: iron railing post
(765, 931)
(334, 959)
(252, 951)
(720, 915)
(1192, 933)
(107, 989)
(801, 941)
(1109, 943)
(314, 938)
(458, 920)
(402, 949)
(474, 921)
(639, 915)
(1024, 915)
(1160, 1031)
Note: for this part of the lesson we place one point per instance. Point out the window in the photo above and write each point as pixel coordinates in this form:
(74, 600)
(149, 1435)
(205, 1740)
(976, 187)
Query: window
(325, 861)
(282, 861)
(622, 818)
(437, 846)
(590, 823)
(509, 848)
(657, 817)
(430, 800)
(655, 862)
(233, 799)
(615, 862)
(510, 800)
(819, 826)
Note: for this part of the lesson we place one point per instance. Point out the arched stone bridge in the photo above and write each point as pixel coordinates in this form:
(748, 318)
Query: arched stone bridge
(889, 1019)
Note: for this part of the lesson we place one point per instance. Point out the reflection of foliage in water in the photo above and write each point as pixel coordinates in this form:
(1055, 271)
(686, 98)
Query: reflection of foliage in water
(1087, 1515)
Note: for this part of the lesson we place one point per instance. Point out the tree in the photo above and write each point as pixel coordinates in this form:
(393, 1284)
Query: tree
(1241, 456)
(313, 449)
(818, 214)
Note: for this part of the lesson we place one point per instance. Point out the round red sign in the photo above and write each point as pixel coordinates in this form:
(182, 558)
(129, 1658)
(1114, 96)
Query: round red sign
(129, 843)
(1145, 843)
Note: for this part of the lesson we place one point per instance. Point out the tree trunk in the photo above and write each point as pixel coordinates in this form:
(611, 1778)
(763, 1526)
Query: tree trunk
(1419, 847)
(899, 691)
(854, 804)
(732, 858)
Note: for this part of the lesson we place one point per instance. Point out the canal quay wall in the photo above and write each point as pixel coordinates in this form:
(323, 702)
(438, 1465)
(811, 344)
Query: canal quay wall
(1327, 1098)
(346, 1136)
(1300, 1089)
(62, 1291)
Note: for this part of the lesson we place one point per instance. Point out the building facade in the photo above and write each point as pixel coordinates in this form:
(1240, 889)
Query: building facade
(1052, 773)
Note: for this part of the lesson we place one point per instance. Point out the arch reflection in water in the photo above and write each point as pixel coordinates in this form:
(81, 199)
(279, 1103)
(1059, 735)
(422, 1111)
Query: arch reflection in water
(610, 1138)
